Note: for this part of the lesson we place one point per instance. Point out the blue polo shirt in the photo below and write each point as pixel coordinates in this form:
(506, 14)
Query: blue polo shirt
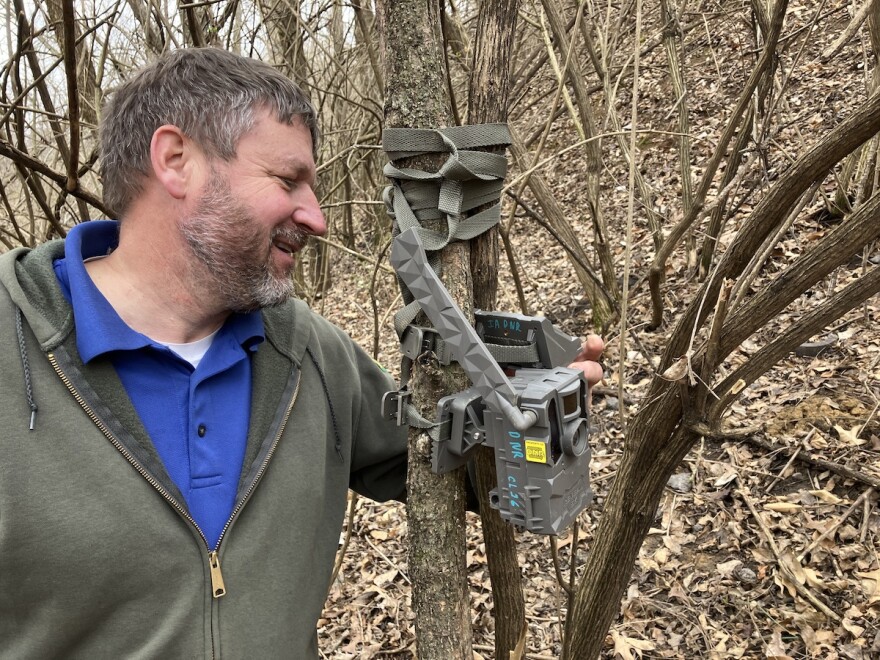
(197, 418)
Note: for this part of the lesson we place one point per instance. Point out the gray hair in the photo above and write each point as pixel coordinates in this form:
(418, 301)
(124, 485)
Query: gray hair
(211, 95)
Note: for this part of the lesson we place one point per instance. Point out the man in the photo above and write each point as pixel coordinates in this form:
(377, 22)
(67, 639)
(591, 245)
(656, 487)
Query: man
(178, 434)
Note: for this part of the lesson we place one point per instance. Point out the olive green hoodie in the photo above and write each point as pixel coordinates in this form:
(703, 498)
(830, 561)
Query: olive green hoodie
(99, 557)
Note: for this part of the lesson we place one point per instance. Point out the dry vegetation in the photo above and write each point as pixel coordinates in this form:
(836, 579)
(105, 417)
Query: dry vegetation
(765, 543)
(708, 582)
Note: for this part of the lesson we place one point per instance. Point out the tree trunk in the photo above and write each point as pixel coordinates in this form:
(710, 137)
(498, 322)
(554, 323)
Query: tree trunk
(662, 431)
(415, 97)
(84, 96)
(763, 65)
(153, 39)
(602, 301)
(90, 95)
(672, 40)
(364, 34)
(487, 103)
(201, 30)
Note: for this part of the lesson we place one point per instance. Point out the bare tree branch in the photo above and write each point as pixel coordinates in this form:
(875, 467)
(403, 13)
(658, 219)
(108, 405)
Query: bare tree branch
(659, 263)
(38, 166)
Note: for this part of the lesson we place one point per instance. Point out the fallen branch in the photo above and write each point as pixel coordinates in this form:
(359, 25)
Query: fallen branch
(612, 391)
(804, 443)
(554, 553)
(349, 525)
(753, 439)
(866, 519)
(849, 31)
(783, 568)
(828, 532)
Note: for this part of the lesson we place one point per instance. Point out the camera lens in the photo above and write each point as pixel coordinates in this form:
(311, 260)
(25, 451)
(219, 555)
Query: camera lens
(574, 437)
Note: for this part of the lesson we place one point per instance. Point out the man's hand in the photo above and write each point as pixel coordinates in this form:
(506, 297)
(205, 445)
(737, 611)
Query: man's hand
(587, 359)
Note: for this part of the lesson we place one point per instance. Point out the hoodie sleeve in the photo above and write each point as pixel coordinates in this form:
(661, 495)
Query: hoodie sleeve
(378, 468)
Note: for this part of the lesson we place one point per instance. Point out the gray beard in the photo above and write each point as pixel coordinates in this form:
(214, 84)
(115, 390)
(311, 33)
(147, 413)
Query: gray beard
(234, 255)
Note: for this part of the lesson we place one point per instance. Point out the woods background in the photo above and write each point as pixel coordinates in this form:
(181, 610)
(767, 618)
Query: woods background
(696, 180)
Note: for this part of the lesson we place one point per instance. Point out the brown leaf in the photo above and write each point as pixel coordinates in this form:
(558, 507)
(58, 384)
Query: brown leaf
(727, 567)
(850, 436)
(782, 507)
(624, 646)
(776, 649)
(677, 370)
(871, 585)
(852, 628)
(385, 577)
(825, 496)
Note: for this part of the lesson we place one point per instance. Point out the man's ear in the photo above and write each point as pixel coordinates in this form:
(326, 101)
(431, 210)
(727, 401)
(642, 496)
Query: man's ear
(175, 160)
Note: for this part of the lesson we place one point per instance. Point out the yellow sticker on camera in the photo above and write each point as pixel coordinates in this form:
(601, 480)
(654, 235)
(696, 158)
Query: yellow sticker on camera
(536, 451)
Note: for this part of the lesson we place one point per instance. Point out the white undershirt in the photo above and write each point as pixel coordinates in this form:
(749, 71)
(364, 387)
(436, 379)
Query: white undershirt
(193, 351)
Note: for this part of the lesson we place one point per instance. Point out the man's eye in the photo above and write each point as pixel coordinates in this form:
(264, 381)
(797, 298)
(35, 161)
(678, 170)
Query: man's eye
(286, 182)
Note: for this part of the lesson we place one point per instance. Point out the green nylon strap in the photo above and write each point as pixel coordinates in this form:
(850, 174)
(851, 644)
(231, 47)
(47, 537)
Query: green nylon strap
(402, 142)
(508, 352)
(503, 350)
(468, 178)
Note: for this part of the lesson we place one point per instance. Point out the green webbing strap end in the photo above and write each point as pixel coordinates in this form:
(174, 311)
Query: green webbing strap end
(510, 354)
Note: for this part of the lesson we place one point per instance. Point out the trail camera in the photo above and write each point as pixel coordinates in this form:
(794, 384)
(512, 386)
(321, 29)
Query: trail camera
(536, 418)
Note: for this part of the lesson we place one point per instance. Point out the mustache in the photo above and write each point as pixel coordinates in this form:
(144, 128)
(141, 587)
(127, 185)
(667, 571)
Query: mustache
(295, 236)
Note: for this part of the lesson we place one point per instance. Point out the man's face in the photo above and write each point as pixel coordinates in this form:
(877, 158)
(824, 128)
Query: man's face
(254, 214)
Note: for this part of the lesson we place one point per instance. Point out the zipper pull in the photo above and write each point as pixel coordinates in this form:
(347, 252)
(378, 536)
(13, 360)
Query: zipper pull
(218, 589)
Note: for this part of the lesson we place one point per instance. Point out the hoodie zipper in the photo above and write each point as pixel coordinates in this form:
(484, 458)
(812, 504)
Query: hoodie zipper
(218, 587)
(263, 465)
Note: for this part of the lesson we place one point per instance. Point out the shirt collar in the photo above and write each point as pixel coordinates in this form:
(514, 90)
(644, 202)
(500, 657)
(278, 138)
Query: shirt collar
(99, 329)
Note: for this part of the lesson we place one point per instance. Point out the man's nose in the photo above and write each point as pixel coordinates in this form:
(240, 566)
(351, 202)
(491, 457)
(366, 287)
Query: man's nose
(308, 213)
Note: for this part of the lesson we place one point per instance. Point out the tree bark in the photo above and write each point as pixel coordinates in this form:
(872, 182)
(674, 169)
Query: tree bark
(487, 103)
(415, 97)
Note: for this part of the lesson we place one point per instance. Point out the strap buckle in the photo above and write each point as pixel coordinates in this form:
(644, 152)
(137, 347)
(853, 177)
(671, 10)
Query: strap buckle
(416, 341)
(394, 405)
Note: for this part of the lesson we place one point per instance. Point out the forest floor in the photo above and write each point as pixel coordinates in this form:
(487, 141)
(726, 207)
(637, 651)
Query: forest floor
(786, 497)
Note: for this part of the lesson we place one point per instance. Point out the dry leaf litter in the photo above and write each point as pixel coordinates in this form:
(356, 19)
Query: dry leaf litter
(765, 542)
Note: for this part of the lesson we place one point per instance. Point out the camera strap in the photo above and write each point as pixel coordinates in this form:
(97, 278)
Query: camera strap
(428, 202)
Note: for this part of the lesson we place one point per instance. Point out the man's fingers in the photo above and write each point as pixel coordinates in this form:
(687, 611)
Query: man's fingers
(592, 370)
(591, 349)
(588, 359)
